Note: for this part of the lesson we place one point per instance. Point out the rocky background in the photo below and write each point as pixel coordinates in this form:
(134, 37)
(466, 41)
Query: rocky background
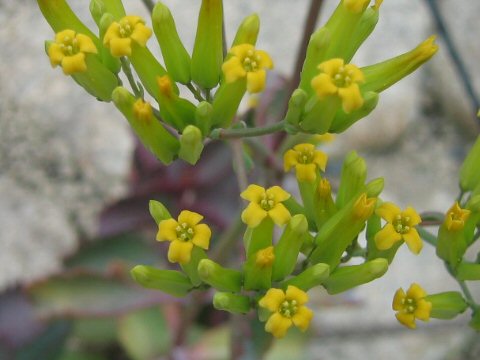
(64, 156)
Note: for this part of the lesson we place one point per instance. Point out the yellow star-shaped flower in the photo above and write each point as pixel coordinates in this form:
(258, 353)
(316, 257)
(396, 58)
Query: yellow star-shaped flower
(400, 226)
(119, 35)
(246, 61)
(69, 51)
(306, 160)
(263, 203)
(340, 80)
(411, 306)
(287, 308)
(456, 217)
(183, 235)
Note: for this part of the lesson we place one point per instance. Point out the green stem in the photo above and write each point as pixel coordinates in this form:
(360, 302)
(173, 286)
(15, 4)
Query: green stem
(468, 295)
(131, 80)
(247, 132)
(195, 92)
(427, 236)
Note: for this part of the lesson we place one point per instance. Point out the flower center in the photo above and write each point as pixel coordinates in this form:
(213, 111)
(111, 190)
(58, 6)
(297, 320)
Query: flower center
(409, 305)
(343, 78)
(288, 308)
(401, 224)
(125, 29)
(305, 157)
(184, 232)
(267, 203)
(251, 61)
(69, 46)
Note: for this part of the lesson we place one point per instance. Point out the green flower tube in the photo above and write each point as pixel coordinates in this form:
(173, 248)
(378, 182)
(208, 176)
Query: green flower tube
(469, 171)
(258, 269)
(352, 178)
(191, 268)
(296, 105)
(324, 206)
(319, 114)
(203, 117)
(177, 60)
(150, 132)
(364, 28)
(100, 7)
(288, 247)
(446, 305)
(191, 144)
(226, 102)
(207, 56)
(313, 276)
(347, 277)
(218, 277)
(342, 121)
(233, 303)
(247, 32)
(158, 211)
(169, 281)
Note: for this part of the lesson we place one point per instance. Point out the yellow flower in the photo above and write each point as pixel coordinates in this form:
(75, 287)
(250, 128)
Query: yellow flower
(69, 51)
(119, 35)
(143, 110)
(306, 160)
(411, 306)
(265, 257)
(400, 226)
(183, 235)
(341, 80)
(287, 309)
(265, 203)
(356, 6)
(456, 217)
(247, 62)
(364, 207)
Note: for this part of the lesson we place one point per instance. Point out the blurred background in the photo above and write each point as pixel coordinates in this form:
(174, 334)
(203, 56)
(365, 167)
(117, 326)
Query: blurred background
(75, 186)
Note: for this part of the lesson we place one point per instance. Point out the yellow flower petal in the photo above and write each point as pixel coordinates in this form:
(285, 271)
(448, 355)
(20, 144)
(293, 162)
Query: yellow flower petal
(256, 81)
(304, 148)
(413, 241)
(278, 193)
(85, 44)
(323, 85)
(253, 215)
(294, 293)
(64, 35)
(356, 75)
(423, 310)
(406, 319)
(55, 54)
(167, 230)
(272, 299)
(74, 64)
(414, 218)
(201, 237)
(331, 67)
(141, 34)
(351, 98)
(279, 214)
(241, 50)
(132, 20)
(320, 159)
(278, 325)
(180, 251)
(189, 217)
(416, 292)
(265, 61)
(253, 193)
(388, 211)
(112, 32)
(121, 47)
(398, 300)
(386, 237)
(289, 160)
(302, 318)
(233, 70)
(306, 172)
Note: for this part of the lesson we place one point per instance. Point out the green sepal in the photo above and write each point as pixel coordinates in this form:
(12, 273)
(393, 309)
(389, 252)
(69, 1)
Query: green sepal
(352, 178)
(158, 211)
(342, 121)
(191, 144)
(469, 171)
(219, 277)
(226, 102)
(475, 321)
(191, 268)
(446, 305)
(467, 271)
(373, 227)
(98, 80)
(381, 76)
(316, 54)
(207, 56)
(296, 105)
(257, 277)
(60, 17)
(177, 60)
(148, 69)
(247, 32)
(307, 193)
(233, 303)
(294, 207)
(313, 276)
(169, 281)
(451, 245)
(259, 237)
(319, 114)
(375, 187)
(97, 9)
(151, 133)
(348, 277)
(288, 247)
(110, 61)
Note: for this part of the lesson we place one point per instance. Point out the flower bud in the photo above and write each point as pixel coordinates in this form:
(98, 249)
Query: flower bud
(169, 281)
(235, 304)
(177, 60)
(352, 179)
(295, 106)
(258, 269)
(150, 132)
(348, 277)
(381, 76)
(468, 271)
(324, 206)
(342, 121)
(247, 31)
(375, 187)
(364, 28)
(97, 9)
(313, 276)
(469, 172)
(191, 144)
(446, 305)
(203, 117)
(207, 56)
(288, 247)
(158, 211)
(220, 278)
